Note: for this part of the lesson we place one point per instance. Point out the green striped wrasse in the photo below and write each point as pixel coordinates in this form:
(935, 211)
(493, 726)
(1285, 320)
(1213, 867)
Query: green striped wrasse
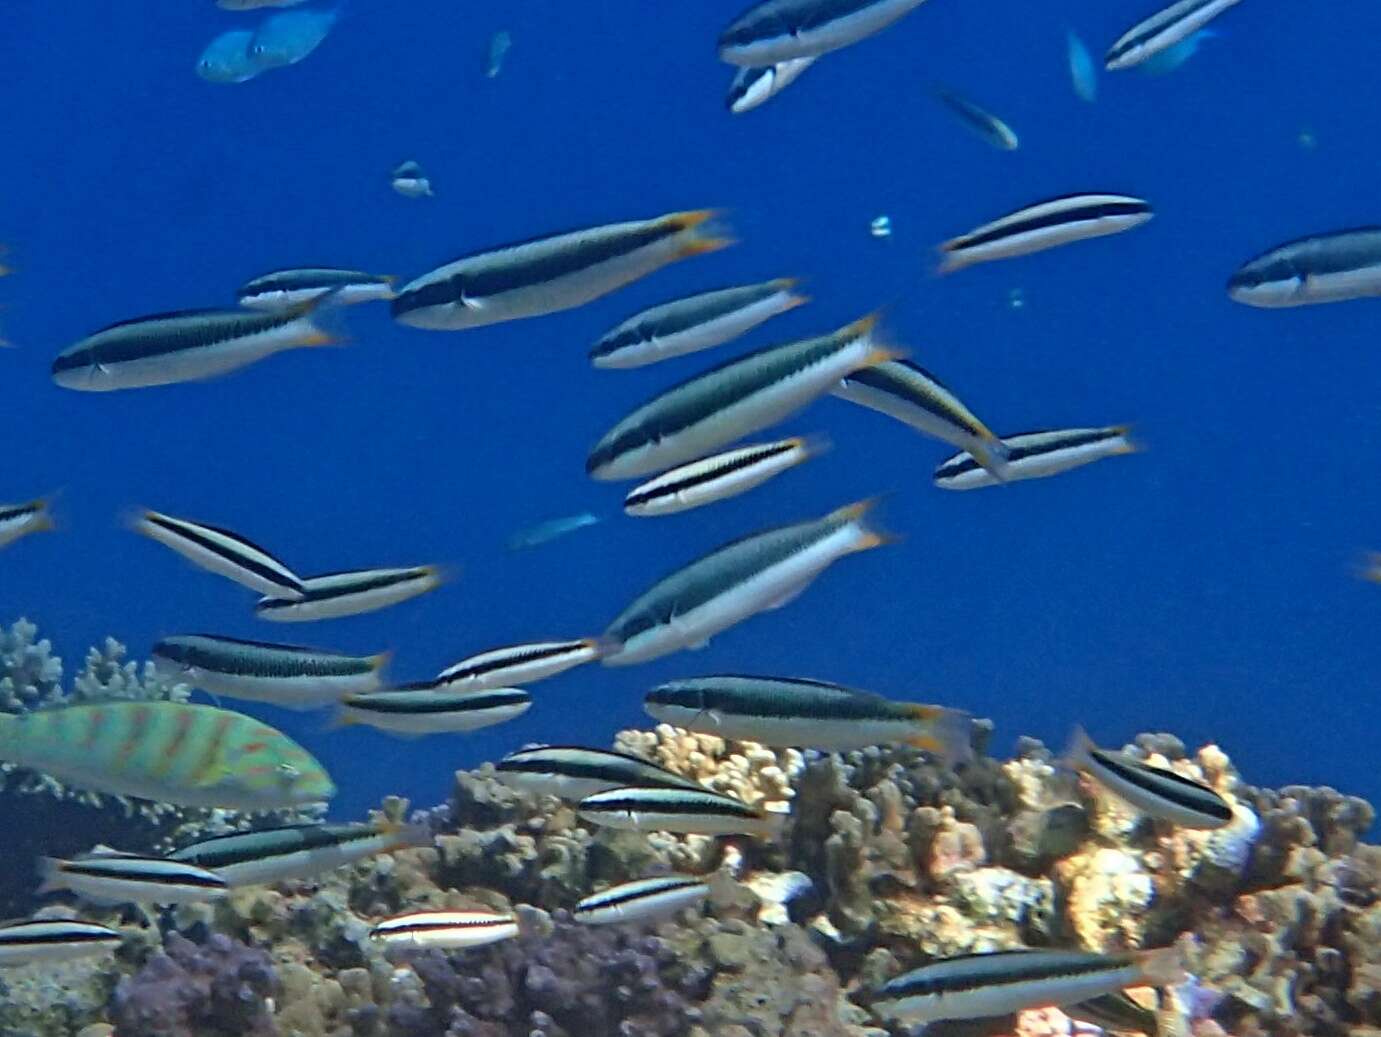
(977, 986)
(55, 939)
(284, 289)
(19, 520)
(446, 930)
(272, 855)
(1162, 31)
(128, 878)
(549, 274)
(1035, 228)
(1115, 1012)
(762, 571)
(1155, 791)
(430, 709)
(719, 477)
(519, 664)
(572, 772)
(285, 675)
(220, 551)
(170, 752)
(684, 811)
(640, 900)
(349, 594)
(806, 714)
(1035, 455)
(731, 401)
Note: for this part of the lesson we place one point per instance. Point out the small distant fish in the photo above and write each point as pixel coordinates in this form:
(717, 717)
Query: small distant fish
(222, 552)
(1035, 228)
(226, 58)
(409, 181)
(779, 30)
(683, 811)
(1035, 455)
(446, 930)
(981, 121)
(284, 289)
(1155, 791)
(640, 900)
(290, 36)
(349, 594)
(572, 772)
(519, 664)
(127, 878)
(187, 346)
(284, 675)
(881, 227)
(57, 939)
(1332, 267)
(1083, 70)
(719, 477)
(499, 45)
(756, 86)
(806, 714)
(765, 570)
(694, 323)
(553, 273)
(272, 855)
(551, 529)
(429, 709)
(1161, 31)
(251, 5)
(1117, 1013)
(997, 983)
(1173, 57)
(19, 520)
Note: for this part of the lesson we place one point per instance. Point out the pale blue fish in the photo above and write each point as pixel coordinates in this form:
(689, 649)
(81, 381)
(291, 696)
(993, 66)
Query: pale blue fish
(226, 58)
(499, 45)
(287, 37)
(543, 532)
(1083, 71)
(1173, 57)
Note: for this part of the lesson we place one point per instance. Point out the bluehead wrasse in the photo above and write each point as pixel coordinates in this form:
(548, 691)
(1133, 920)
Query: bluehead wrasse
(752, 87)
(1155, 791)
(519, 664)
(1332, 267)
(284, 289)
(551, 529)
(719, 476)
(55, 939)
(683, 811)
(1035, 455)
(572, 772)
(409, 181)
(446, 930)
(350, 593)
(1083, 71)
(1035, 228)
(1162, 30)
(640, 900)
(20, 520)
(980, 121)
(779, 30)
(126, 878)
(220, 551)
(432, 710)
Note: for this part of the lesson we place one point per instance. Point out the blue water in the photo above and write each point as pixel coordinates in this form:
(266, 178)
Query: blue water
(1202, 587)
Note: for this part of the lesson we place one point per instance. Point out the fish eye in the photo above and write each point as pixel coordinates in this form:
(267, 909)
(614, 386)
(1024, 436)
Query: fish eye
(288, 773)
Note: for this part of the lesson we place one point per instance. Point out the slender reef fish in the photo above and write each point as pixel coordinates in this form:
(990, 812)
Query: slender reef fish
(430, 710)
(731, 401)
(220, 551)
(19, 520)
(409, 181)
(1034, 455)
(1155, 791)
(982, 122)
(572, 772)
(756, 86)
(285, 675)
(185, 346)
(779, 30)
(694, 323)
(56, 939)
(719, 477)
(1035, 228)
(640, 900)
(349, 594)
(977, 986)
(550, 274)
(550, 529)
(499, 45)
(446, 930)
(1116, 1013)
(807, 714)
(761, 571)
(519, 664)
(284, 289)
(293, 852)
(683, 811)
(1323, 268)
(128, 878)
(171, 752)
(914, 396)
(1162, 30)
(1083, 72)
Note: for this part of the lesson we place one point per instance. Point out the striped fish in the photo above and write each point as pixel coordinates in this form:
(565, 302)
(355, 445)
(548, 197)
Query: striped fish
(1323, 268)
(169, 752)
(185, 346)
(1162, 30)
(519, 664)
(977, 986)
(683, 811)
(640, 900)
(1035, 228)
(694, 323)
(806, 714)
(762, 571)
(1117, 1013)
(285, 675)
(272, 855)
(222, 552)
(733, 400)
(572, 772)
(284, 289)
(446, 930)
(1155, 791)
(19, 520)
(549, 274)
(719, 477)
(779, 30)
(756, 86)
(1035, 455)
(349, 594)
(428, 710)
(128, 878)
(57, 939)
(980, 121)
(914, 396)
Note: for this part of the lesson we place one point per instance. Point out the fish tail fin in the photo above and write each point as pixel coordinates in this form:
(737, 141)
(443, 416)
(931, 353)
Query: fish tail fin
(440, 573)
(325, 320)
(405, 835)
(45, 519)
(790, 285)
(50, 871)
(703, 232)
(813, 445)
(948, 734)
(1128, 444)
(380, 660)
(948, 261)
(1077, 754)
(858, 514)
(340, 717)
(1161, 967)
(1368, 567)
(603, 645)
